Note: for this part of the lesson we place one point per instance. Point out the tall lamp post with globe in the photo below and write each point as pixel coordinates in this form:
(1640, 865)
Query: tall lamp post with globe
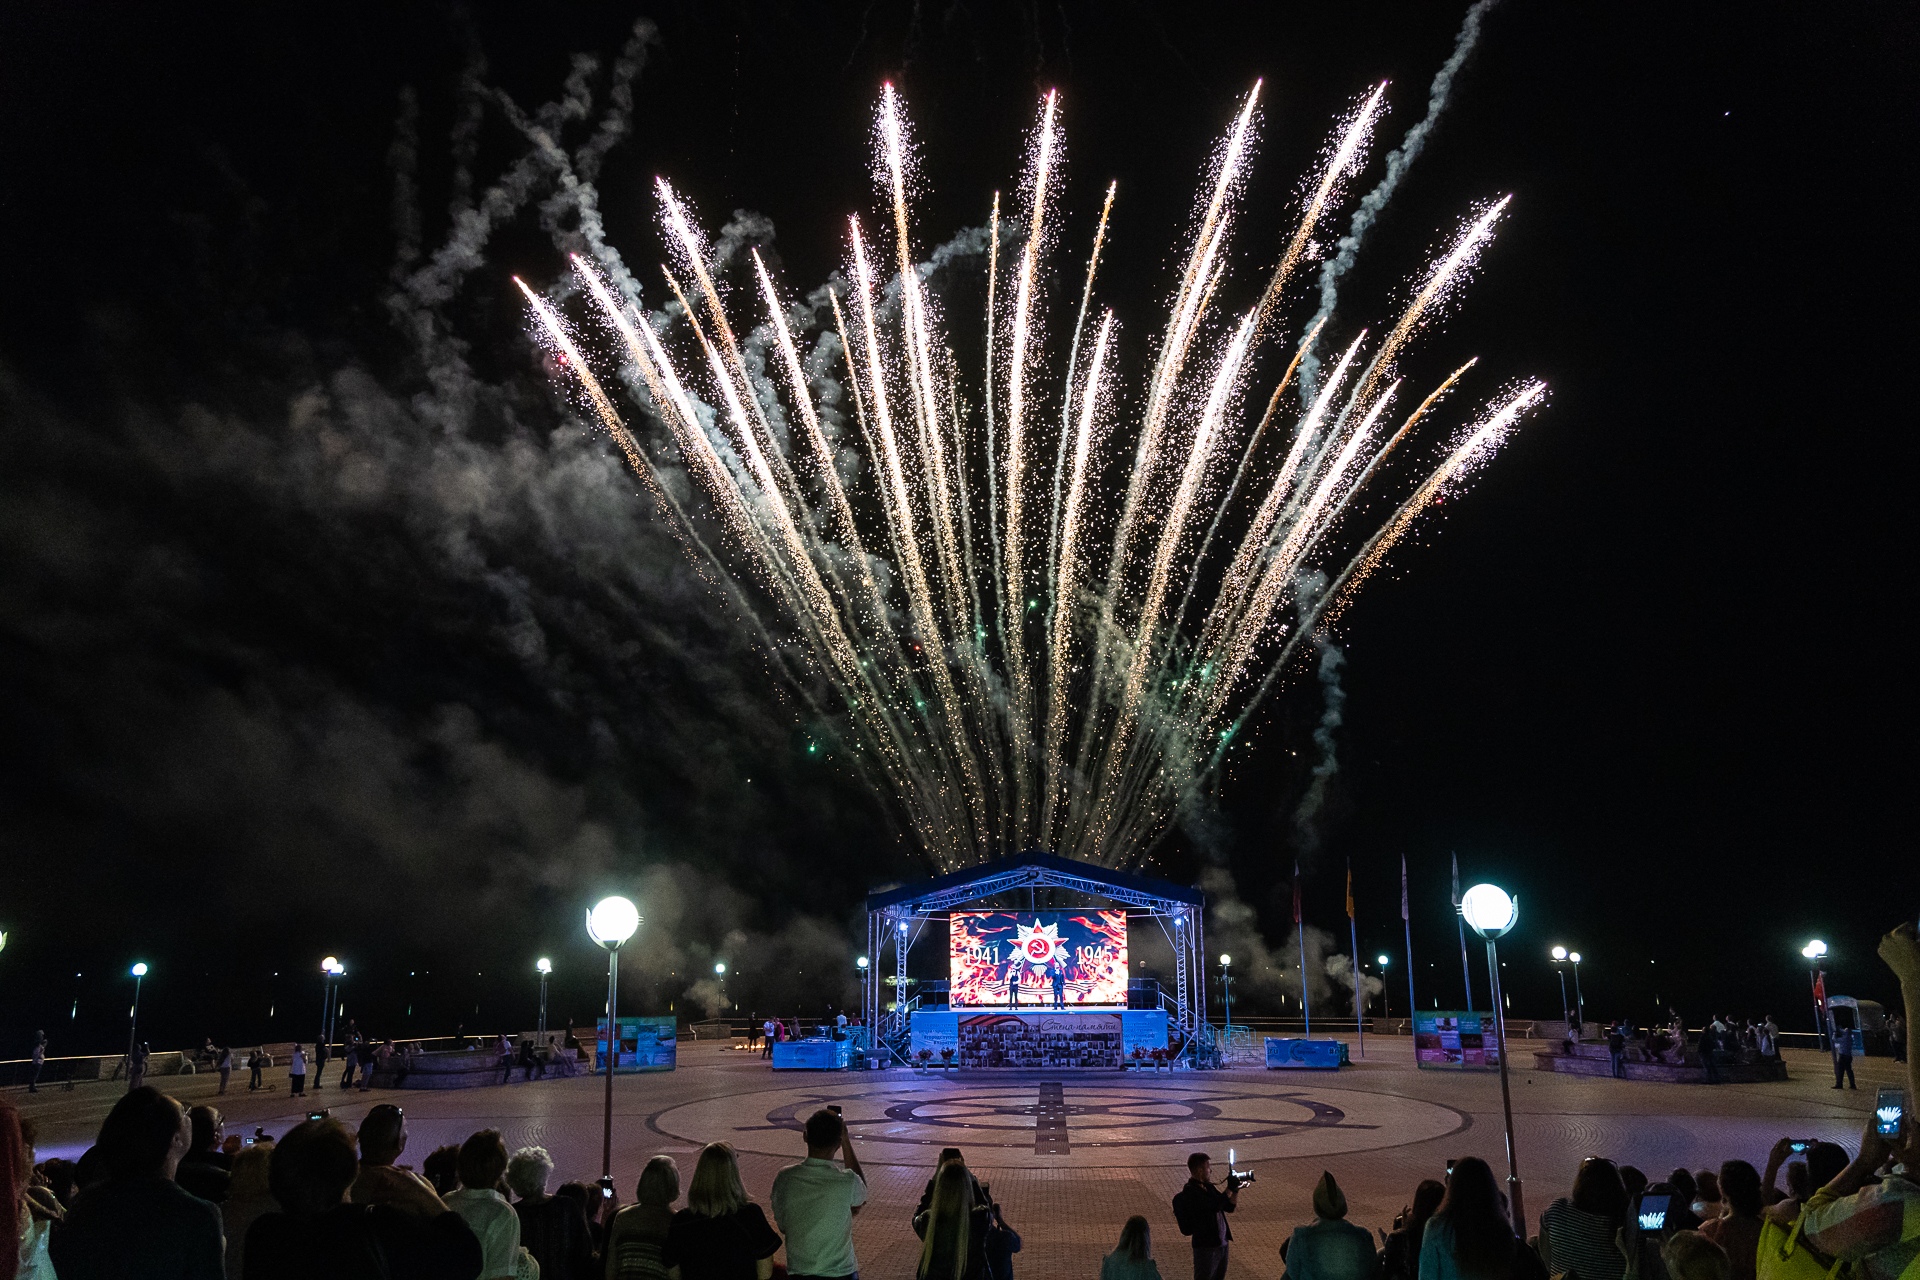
(331, 971)
(1491, 911)
(1559, 955)
(1226, 986)
(611, 922)
(544, 967)
(862, 965)
(1579, 1001)
(1386, 1010)
(139, 972)
(1816, 954)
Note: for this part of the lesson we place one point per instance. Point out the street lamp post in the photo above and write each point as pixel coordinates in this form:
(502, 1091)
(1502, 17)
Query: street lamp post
(1559, 955)
(1579, 1001)
(1386, 1009)
(139, 972)
(1490, 912)
(326, 1005)
(545, 967)
(611, 922)
(861, 965)
(1226, 983)
(1816, 954)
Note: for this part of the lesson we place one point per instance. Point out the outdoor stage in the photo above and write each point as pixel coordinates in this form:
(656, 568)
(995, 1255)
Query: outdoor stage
(1071, 1154)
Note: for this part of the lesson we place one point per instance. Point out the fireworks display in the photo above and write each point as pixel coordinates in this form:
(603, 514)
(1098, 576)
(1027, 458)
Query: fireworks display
(1041, 606)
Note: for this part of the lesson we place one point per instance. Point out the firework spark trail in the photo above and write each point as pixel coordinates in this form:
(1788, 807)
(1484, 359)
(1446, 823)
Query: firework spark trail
(1240, 472)
(823, 622)
(919, 595)
(941, 715)
(1286, 562)
(1066, 408)
(888, 745)
(1346, 159)
(1020, 685)
(1067, 580)
(1145, 645)
(1173, 348)
(1442, 279)
(1399, 160)
(1473, 450)
(1240, 573)
(917, 331)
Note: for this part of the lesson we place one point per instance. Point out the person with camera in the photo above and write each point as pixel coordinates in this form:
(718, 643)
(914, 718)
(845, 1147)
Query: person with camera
(1869, 1215)
(814, 1201)
(1201, 1209)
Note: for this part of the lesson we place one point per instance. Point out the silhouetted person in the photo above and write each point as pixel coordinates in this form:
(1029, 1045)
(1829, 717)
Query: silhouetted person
(134, 1208)
(1201, 1210)
(205, 1169)
(319, 1235)
(1470, 1237)
(39, 1061)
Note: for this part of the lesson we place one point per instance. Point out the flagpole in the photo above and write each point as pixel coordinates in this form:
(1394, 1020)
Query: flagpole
(1353, 941)
(1466, 974)
(1406, 922)
(1300, 928)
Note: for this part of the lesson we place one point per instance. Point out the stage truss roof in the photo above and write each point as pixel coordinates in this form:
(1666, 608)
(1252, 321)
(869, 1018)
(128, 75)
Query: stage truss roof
(1033, 871)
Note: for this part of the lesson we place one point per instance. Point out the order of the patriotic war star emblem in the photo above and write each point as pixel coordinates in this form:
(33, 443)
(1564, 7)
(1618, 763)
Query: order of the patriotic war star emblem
(1039, 943)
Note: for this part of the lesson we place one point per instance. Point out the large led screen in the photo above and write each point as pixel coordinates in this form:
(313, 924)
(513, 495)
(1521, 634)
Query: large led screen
(1049, 960)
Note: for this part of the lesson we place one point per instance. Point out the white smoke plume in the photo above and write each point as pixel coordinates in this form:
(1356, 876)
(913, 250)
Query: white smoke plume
(1339, 968)
(1333, 696)
(1399, 160)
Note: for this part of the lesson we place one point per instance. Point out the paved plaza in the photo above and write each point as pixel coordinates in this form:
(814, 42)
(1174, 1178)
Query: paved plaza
(1071, 1154)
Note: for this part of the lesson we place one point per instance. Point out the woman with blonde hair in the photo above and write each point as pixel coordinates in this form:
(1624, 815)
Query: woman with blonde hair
(720, 1235)
(1132, 1258)
(955, 1242)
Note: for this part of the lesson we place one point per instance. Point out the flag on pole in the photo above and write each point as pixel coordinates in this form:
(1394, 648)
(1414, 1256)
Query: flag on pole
(1349, 890)
(1456, 879)
(1405, 914)
(1296, 891)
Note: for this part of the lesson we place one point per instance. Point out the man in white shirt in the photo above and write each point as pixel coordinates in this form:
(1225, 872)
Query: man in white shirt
(814, 1203)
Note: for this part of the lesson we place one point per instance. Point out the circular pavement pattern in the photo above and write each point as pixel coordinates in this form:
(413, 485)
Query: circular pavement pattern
(1034, 1120)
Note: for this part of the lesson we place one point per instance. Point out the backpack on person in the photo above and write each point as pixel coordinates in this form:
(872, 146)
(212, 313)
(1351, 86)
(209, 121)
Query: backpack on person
(1783, 1255)
(1002, 1243)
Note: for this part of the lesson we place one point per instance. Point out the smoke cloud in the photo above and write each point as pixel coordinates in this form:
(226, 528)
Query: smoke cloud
(1399, 160)
(365, 623)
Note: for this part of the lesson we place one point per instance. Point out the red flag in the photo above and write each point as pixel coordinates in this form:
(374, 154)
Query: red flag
(1349, 891)
(1404, 914)
(1820, 988)
(1296, 893)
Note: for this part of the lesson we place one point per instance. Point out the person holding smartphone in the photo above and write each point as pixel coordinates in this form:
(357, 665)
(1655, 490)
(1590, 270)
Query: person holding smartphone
(1876, 1224)
(814, 1201)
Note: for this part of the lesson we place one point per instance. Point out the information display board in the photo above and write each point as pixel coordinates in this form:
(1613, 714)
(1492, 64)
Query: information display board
(645, 1044)
(1452, 1040)
(1044, 960)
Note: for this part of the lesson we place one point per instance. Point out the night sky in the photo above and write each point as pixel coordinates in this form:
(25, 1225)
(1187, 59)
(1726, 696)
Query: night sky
(291, 667)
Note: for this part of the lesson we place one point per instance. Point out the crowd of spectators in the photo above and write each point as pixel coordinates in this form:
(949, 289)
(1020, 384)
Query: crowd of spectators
(166, 1191)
